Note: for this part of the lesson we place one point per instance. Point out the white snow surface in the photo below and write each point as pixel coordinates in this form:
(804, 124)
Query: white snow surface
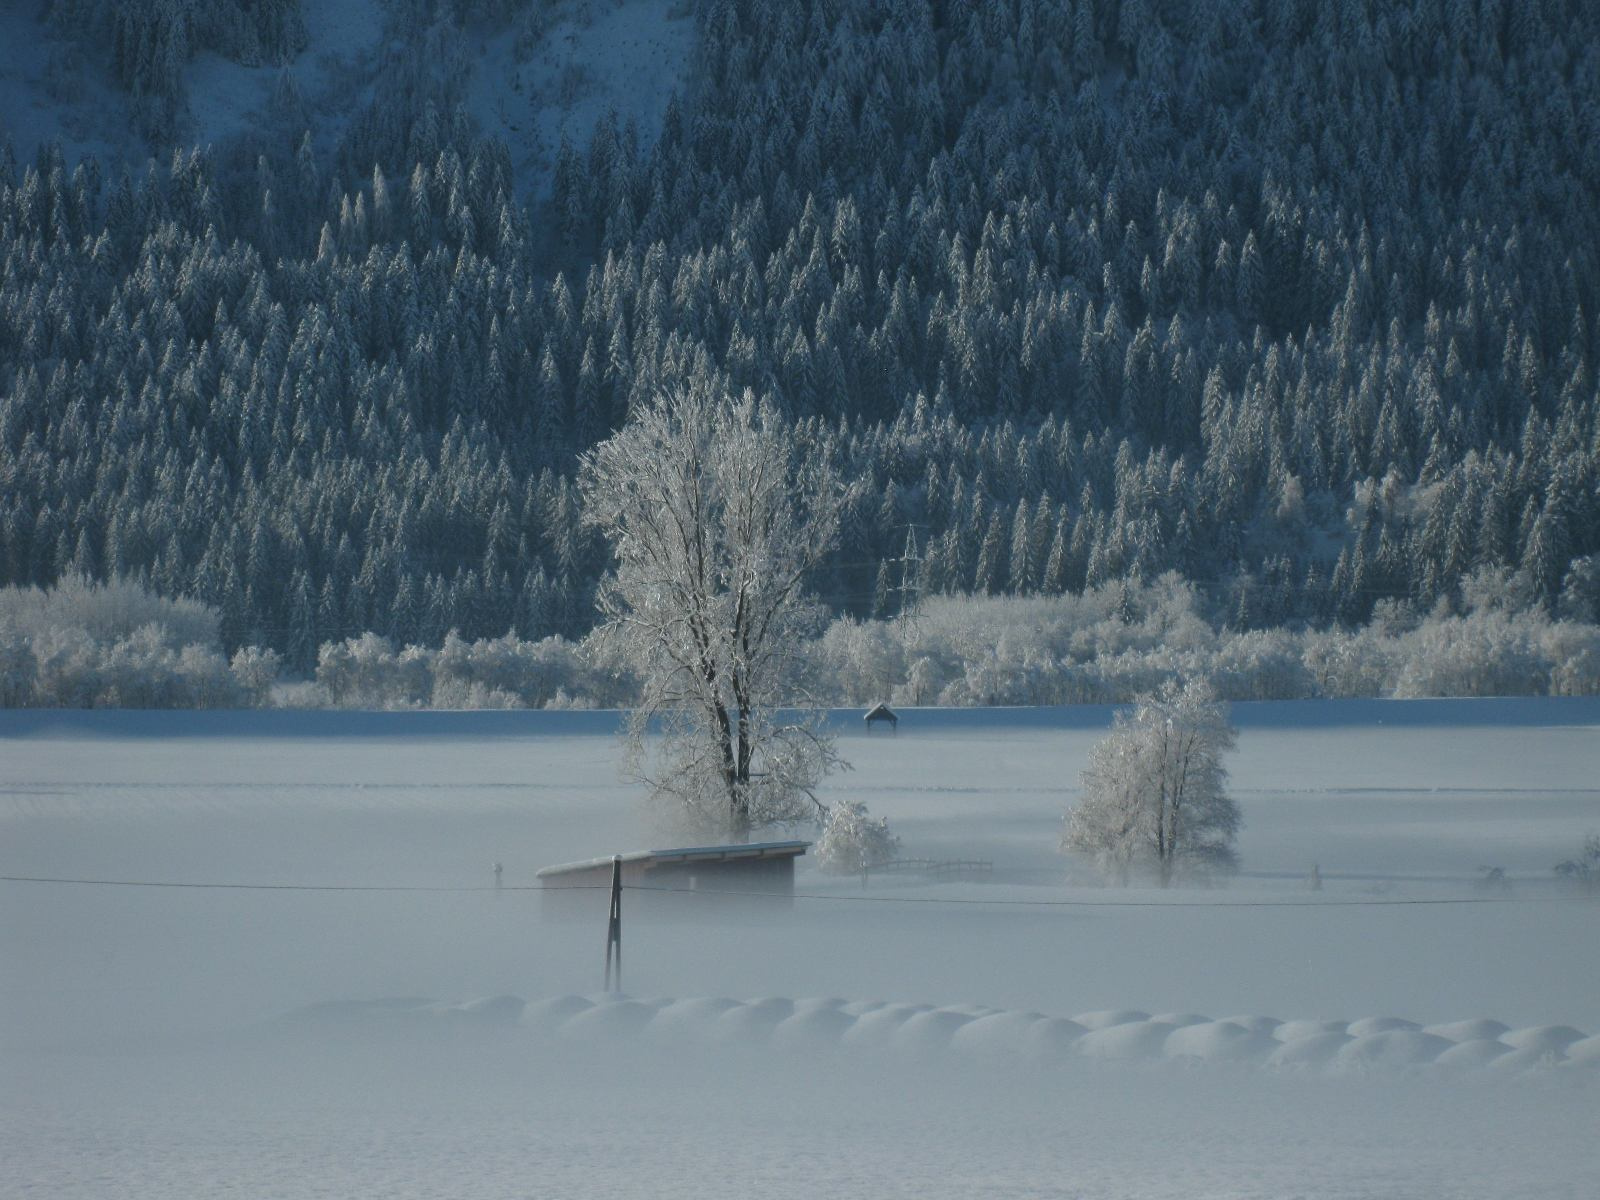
(173, 1041)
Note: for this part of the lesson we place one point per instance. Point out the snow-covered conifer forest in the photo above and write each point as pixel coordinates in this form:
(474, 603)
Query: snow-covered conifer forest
(308, 310)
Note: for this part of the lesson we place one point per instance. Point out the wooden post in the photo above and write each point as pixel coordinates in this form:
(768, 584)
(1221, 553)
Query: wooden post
(614, 925)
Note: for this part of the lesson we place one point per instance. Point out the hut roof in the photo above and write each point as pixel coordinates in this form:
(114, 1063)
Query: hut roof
(682, 854)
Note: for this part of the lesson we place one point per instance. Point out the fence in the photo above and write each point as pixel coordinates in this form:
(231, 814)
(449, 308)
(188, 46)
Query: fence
(934, 868)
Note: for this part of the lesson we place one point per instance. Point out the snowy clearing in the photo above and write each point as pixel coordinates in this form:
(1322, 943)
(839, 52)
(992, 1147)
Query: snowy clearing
(529, 85)
(1026, 1047)
(591, 60)
(227, 99)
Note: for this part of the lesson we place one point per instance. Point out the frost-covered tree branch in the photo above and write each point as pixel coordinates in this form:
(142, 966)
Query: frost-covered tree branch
(852, 841)
(716, 516)
(1154, 790)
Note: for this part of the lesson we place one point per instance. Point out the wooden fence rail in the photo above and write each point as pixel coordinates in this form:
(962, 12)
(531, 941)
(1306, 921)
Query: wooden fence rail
(950, 868)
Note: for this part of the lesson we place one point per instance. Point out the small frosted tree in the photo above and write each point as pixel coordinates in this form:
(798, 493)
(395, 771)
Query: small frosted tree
(716, 515)
(1583, 872)
(255, 671)
(1154, 791)
(851, 841)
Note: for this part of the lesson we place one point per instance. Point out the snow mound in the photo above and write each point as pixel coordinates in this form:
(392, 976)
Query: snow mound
(815, 1025)
(1368, 1026)
(694, 1020)
(1129, 1039)
(1313, 1050)
(1053, 1037)
(609, 1018)
(999, 1037)
(1177, 1020)
(1529, 1058)
(1295, 1031)
(1542, 1038)
(877, 1027)
(1266, 1025)
(1218, 1041)
(1106, 1018)
(1585, 1052)
(754, 1021)
(860, 1008)
(1479, 1029)
(1391, 1048)
(930, 1030)
(1473, 1053)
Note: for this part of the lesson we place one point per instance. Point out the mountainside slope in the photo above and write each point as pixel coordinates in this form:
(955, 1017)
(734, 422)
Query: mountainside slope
(529, 78)
(1297, 300)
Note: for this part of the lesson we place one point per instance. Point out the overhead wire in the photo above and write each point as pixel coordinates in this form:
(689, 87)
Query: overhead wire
(837, 897)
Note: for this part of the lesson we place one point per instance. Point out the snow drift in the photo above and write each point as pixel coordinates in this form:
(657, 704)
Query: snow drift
(983, 1034)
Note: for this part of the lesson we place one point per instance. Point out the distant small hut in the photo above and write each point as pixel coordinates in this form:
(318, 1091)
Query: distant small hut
(882, 712)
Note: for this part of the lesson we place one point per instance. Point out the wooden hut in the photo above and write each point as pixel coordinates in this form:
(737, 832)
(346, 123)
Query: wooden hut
(881, 712)
(752, 872)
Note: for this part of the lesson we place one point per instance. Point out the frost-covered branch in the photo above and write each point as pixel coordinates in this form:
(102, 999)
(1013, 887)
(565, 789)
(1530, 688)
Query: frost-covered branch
(715, 517)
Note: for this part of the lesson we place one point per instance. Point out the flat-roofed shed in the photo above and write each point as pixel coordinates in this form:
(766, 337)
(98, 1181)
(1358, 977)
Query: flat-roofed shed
(753, 870)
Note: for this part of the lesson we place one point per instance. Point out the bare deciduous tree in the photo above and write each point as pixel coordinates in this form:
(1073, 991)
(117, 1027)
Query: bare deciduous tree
(716, 515)
(1154, 791)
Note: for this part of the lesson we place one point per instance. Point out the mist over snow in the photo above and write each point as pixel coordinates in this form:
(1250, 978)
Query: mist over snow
(418, 1043)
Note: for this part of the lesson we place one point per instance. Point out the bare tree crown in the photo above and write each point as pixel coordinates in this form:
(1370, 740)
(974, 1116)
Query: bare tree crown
(716, 516)
(1155, 789)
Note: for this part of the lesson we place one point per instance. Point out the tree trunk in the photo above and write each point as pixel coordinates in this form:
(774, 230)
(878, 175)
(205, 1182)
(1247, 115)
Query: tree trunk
(733, 779)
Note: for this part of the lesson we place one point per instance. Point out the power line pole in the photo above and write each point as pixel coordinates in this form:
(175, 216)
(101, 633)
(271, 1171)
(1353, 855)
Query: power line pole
(614, 925)
(910, 561)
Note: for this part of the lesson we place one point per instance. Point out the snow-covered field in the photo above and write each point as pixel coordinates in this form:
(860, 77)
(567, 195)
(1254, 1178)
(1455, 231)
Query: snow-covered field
(161, 1042)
